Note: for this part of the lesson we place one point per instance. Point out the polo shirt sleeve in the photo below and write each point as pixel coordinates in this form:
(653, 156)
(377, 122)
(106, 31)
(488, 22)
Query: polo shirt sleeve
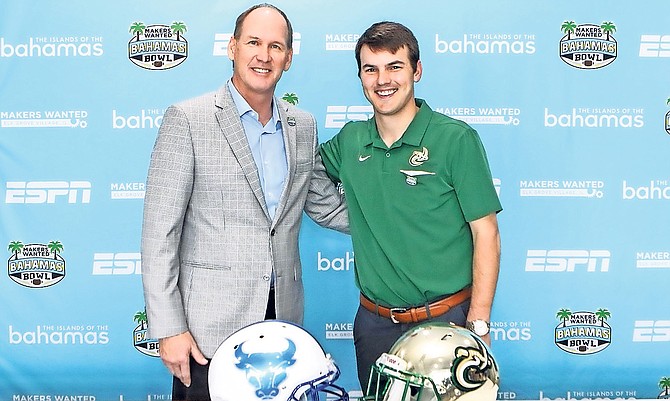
(331, 156)
(471, 177)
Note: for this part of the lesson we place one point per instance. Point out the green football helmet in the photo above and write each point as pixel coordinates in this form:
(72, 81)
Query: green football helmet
(435, 362)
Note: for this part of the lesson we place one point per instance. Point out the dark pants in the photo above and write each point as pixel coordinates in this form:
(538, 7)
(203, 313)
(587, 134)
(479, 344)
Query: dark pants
(374, 335)
(199, 389)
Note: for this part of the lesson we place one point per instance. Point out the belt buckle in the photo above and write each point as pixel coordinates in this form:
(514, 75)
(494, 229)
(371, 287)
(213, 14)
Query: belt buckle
(396, 310)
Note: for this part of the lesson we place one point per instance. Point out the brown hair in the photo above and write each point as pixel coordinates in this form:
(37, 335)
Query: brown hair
(389, 36)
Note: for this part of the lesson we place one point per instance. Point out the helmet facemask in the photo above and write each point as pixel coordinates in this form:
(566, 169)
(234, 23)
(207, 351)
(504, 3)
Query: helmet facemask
(390, 381)
(324, 384)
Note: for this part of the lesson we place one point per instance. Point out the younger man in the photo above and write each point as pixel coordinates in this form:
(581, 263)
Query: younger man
(422, 206)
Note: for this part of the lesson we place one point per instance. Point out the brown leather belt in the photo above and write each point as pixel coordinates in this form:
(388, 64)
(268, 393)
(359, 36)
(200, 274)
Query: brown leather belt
(420, 313)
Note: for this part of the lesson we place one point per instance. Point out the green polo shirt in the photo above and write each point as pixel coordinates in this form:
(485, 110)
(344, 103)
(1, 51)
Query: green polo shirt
(410, 204)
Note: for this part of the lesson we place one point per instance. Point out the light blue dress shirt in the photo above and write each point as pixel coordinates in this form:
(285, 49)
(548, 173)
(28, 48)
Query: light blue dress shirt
(267, 147)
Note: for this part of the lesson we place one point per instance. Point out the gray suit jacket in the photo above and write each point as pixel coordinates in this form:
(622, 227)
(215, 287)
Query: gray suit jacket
(208, 243)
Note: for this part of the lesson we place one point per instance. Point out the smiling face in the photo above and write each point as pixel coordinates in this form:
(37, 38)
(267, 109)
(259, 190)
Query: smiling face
(261, 53)
(388, 80)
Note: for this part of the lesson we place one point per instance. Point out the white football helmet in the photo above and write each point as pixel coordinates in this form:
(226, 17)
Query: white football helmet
(435, 362)
(272, 360)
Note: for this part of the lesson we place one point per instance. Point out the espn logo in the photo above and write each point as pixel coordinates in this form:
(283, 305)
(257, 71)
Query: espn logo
(48, 191)
(655, 46)
(651, 331)
(117, 263)
(567, 260)
(337, 116)
(221, 41)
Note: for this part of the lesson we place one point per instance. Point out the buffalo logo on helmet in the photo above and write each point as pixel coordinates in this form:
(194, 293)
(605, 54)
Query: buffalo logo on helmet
(265, 370)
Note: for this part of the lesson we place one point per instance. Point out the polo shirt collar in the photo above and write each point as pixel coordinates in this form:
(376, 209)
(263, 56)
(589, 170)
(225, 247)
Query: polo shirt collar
(414, 133)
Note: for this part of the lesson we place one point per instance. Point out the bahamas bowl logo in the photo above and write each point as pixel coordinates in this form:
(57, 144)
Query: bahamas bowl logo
(583, 333)
(36, 265)
(588, 46)
(145, 345)
(157, 47)
(667, 117)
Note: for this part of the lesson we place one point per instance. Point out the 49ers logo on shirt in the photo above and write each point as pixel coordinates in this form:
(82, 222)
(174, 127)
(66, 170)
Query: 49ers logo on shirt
(418, 157)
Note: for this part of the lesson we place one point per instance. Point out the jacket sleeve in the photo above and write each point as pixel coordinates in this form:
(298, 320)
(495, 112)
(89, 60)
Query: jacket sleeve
(325, 204)
(168, 190)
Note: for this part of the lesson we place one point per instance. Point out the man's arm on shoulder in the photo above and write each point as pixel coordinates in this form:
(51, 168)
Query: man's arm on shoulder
(325, 204)
(485, 266)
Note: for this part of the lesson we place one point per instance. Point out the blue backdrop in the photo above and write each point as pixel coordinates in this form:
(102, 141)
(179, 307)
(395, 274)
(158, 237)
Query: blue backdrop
(570, 99)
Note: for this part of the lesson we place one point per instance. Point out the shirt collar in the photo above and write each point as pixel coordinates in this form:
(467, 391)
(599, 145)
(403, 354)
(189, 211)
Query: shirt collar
(414, 132)
(243, 107)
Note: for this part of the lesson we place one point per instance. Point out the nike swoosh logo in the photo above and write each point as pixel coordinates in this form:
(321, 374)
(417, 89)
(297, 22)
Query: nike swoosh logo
(362, 158)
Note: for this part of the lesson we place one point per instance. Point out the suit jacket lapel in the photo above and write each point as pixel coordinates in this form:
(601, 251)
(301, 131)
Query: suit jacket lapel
(231, 128)
(289, 131)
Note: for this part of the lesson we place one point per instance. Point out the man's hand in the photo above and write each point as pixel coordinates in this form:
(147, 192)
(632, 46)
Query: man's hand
(175, 352)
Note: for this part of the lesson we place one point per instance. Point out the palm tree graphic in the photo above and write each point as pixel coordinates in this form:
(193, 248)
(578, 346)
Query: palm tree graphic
(55, 247)
(16, 247)
(667, 102)
(568, 27)
(564, 314)
(293, 98)
(137, 28)
(664, 384)
(608, 27)
(178, 27)
(141, 319)
(603, 314)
